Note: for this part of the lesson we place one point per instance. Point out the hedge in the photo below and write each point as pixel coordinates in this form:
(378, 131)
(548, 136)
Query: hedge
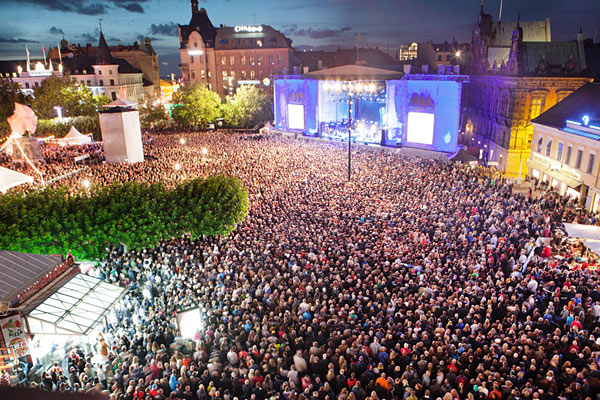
(134, 214)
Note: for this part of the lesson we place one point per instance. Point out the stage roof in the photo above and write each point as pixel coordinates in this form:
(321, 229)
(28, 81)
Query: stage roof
(353, 73)
(10, 179)
(19, 270)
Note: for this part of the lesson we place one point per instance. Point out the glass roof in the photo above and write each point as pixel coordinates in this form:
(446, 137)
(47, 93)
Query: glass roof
(76, 307)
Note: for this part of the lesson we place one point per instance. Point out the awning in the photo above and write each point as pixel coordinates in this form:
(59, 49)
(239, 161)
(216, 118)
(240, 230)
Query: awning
(10, 179)
(76, 308)
(18, 271)
(586, 232)
(593, 246)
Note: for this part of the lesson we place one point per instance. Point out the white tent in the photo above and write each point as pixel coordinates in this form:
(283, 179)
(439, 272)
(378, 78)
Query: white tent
(74, 138)
(10, 179)
(120, 103)
(586, 232)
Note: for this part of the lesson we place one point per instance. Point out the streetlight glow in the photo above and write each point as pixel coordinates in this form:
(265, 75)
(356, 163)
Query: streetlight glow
(457, 54)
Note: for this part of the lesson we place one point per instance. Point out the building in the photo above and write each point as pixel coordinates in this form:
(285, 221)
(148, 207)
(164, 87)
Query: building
(139, 55)
(307, 61)
(408, 52)
(102, 73)
(502, 98)
(437, 54)
(226, 57)
(566, 145)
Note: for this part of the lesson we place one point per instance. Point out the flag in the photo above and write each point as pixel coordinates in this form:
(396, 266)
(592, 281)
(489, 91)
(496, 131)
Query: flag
(359, 36)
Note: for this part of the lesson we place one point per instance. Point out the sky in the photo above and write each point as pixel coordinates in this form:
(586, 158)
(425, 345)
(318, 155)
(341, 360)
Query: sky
(315, 23)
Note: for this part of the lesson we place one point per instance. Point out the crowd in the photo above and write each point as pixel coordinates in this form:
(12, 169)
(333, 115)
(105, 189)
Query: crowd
(412, 281)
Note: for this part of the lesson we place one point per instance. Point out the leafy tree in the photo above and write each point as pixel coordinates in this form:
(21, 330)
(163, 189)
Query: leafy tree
(135, 214)
(195, 106)
(10, 93)
(249, 106)
(151, 114)
(75, 99)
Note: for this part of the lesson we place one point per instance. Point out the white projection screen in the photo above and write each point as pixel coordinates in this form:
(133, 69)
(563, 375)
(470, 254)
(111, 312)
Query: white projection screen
(296, 116)
(420, 128)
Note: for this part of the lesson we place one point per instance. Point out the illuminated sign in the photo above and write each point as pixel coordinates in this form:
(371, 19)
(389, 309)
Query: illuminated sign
(266, 81)
(586, 120)
(556, 166)
(249, 82)
(195, 52)
(296, 116)
(420, 128)
(246, 28)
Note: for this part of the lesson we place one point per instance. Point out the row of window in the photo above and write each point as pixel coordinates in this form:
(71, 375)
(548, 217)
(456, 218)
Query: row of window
(252, 60)
(244, 74)
(568, 154)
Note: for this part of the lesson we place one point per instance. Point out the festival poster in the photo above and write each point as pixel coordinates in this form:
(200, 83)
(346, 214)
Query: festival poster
(13, 330)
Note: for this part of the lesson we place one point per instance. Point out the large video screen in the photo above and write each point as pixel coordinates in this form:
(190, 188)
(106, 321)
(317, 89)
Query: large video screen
(296, 116)
(420, 128)
(190, 322)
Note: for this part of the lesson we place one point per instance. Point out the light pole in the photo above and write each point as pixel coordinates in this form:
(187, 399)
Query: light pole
(349, 134)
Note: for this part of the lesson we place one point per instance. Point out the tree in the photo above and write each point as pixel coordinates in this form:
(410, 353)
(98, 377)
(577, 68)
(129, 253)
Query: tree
(150, 114)
(75, 99)
(10, 93)
(195, 106)
(249, 106)
(135, 214)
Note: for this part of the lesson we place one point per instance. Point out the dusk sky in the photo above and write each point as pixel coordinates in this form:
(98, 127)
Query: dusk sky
(382, 23)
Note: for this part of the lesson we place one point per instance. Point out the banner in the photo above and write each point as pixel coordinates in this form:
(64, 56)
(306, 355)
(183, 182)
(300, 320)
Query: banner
(13, 330)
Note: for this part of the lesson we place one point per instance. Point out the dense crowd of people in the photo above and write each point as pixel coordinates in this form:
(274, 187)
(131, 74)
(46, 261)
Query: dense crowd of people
(412, 281)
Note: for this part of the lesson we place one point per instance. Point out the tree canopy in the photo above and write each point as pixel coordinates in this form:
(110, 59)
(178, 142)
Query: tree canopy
(76, 99)
(195, 106)
(134, 214)
(249, 106)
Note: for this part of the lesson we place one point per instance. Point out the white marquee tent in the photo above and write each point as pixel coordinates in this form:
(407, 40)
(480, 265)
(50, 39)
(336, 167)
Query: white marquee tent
(589, 234)
(10, 179)
(75, 138)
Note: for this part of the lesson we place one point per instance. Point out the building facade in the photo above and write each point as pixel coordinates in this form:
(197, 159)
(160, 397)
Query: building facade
(226, 57)
(501, 100)
(102, 73)
(565, 151)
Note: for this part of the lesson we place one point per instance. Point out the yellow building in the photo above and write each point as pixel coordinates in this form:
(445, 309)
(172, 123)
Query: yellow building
(167, 90)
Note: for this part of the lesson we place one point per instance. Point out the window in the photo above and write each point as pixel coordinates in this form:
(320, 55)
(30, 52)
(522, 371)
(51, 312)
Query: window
(549, 148)
(252, 74)
(271, 59)
(439, 58)
(223, 60)
(231, 60)
(243, 74)
(539, 146)
(99, 72)
(232, 74)
(209, 73)
(191, 59)
(591, 162)
(101, 82)
(27, 85)
(113, 95)
(279, 59)
(195, 44)
(110, 71)
(252, 60)
(536, 107)
(193, 75)
(243, 60)
(202, 74)
(112, 82)
(259, 43)
(260, 73)
(559, 152)
(568, 157)
(259, 59)
(579, 158)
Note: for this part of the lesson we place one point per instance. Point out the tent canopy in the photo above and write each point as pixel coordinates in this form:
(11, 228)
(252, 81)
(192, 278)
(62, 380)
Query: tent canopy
(353, 73)
(75, 138)
(76, 308)
(585, 232)
(10, 179)
(120, 103)
(463, 156)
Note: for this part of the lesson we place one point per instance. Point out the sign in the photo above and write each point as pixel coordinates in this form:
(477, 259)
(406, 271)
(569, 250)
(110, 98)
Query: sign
(13, 330)
(46, 279)
(249, 82)
(246, 28)
(556, 165)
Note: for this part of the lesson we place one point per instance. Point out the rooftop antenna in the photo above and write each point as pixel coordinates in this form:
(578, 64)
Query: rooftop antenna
(500, 15)
(100, 24)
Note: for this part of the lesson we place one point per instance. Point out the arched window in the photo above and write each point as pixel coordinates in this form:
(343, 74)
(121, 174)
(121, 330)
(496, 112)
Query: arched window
(539, 144)
(548, 148)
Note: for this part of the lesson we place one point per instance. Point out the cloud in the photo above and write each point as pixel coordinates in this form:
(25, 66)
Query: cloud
(153, 38)
(16, 40)
(316, 33)
(56, 31)
(87, 7)
(168, 29)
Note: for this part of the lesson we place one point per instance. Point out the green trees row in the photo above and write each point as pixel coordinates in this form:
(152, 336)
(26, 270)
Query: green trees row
(195, 106)
(134, 214)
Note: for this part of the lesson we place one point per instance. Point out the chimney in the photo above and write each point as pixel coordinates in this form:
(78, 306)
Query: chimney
(407, 69)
